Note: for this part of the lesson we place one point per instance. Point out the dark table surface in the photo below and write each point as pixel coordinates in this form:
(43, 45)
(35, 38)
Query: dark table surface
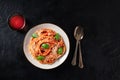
(100, 46)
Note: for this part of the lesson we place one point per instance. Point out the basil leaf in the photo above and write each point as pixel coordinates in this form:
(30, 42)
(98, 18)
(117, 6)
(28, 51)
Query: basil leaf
(60, 50)
(45, 46)
(34, 35)
(57, 36)
(40, 57)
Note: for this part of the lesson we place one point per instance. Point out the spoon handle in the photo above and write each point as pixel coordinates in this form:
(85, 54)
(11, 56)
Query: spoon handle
(80, 57)
(75, 54)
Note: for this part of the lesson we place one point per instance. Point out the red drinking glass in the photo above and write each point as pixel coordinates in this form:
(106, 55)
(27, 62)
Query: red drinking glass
(17, 22)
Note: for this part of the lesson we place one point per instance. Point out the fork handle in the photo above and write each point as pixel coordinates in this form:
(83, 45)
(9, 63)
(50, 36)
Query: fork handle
(75, 54)
(80, 57)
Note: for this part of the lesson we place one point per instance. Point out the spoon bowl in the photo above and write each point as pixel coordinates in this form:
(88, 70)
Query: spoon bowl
(78, 33)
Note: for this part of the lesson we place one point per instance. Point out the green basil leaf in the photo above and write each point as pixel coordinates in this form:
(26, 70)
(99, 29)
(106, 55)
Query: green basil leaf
(60, 50)
(57, 36)
(45, 46)
(34, 35)
(40, 57)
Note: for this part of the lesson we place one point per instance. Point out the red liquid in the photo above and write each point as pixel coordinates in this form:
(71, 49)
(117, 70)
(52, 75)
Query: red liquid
(17, 22)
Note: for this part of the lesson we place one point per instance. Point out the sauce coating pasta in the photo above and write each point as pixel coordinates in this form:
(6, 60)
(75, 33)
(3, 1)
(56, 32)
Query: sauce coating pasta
(46, 46)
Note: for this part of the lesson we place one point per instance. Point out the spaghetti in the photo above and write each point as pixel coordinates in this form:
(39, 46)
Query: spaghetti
(46, 46)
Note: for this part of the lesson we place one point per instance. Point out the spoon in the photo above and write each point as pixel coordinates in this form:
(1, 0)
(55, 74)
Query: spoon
(80, 54)
(77, 35)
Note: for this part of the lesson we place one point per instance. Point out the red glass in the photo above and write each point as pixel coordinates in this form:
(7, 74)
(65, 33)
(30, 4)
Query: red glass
(17, 22)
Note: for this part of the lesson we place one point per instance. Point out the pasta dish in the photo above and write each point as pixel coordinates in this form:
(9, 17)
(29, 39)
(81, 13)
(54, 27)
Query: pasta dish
(46, 46)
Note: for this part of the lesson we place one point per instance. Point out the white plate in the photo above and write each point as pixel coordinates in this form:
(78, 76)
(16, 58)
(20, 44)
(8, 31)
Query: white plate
(34, 61)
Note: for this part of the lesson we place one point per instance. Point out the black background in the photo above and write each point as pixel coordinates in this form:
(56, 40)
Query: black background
(100, 45)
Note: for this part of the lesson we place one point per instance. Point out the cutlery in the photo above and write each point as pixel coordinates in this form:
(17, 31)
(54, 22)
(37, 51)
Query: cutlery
(77, 35)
